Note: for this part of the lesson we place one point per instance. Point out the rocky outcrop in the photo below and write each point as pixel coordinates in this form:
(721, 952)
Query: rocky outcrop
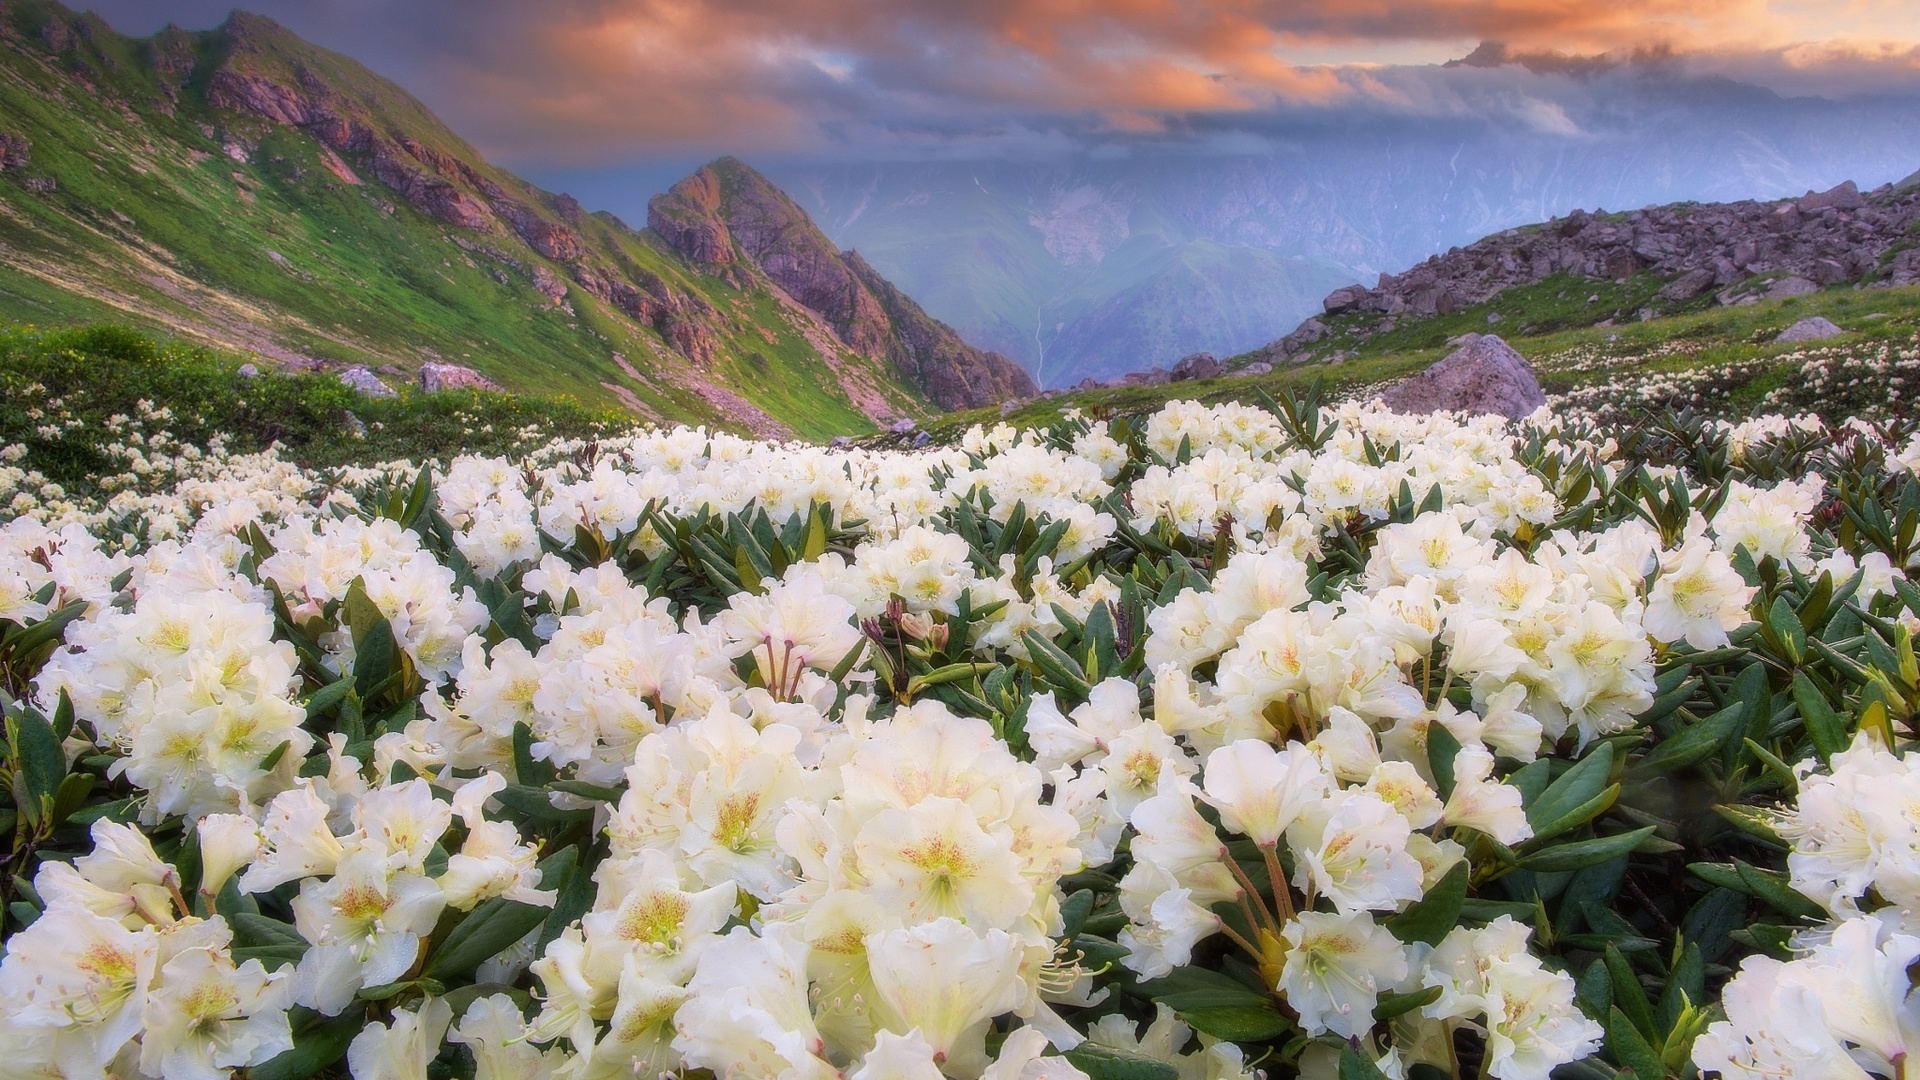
(1817, 328)
(434, 378)
(360, 377)
(1739, 252)
(1197, 366)
(15, 151)
(726, 214)
(1483, 376)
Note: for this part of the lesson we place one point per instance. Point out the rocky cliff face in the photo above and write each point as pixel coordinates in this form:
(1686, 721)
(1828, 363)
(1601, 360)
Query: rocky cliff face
(727, 214)
(1738, 252)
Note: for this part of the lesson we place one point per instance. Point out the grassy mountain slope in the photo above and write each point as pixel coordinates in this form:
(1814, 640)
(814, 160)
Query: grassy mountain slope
(1721, 361)
(245, 189)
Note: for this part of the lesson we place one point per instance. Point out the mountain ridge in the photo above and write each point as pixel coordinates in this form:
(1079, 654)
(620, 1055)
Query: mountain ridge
(251, 190)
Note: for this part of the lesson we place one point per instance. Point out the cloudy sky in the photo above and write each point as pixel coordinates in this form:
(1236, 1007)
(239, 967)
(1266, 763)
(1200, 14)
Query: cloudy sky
(586, 84)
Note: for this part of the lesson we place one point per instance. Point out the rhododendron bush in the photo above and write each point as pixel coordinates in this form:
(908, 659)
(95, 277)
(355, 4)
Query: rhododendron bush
(1223, 742)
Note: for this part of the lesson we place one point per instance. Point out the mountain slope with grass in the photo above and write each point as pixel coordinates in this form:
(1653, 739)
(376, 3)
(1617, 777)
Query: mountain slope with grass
(243, 188)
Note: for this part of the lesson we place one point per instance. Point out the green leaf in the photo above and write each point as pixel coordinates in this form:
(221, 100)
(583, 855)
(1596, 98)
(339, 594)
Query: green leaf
(1629, 1048)
(324, 699)
(40, 762)
(1355, 1067)
(1584, 853)
(1442, 748)
(1074, 911)
(1201, 988)
(1628, 995)
(1575, 787)
(1695, 741)
(259, 930)
(1391, 1005)
(315, 1048)
(1060, 669)
(488, 929)
(1579, 815)
(1826, 727)
(951, 673)
(1237, 1023)
(1107, 1063)
(1433, 915)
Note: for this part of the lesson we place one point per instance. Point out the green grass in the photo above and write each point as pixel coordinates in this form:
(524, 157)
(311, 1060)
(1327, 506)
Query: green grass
(81, 378)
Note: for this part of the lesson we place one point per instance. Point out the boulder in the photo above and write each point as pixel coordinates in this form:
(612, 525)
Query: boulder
(15, 151)
(1845, 196)
(1345, 299)
(359, 378)
(437, 377)
(248, 371)
(1485, 376)
(1790, 286)
(1689, 285)
(1200, 365)
(1258, 367)
(1816, 328)
(903, 426)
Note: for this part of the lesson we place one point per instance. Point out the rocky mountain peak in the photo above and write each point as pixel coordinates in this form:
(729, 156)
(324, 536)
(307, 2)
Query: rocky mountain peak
(727, 213)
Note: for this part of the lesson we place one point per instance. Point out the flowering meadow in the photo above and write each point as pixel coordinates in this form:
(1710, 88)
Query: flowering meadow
(1222, 742)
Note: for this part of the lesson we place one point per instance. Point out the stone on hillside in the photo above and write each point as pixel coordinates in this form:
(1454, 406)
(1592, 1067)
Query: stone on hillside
(437, 377)
(1689, 285)
(1486, 376)
(1258, 367)
(1816, 328)
(902, 426)
(1200, 365)
(1345, 298)
(1845, 196)
(1790, 286)
(248, 371)
(15, 151)
(359, 378)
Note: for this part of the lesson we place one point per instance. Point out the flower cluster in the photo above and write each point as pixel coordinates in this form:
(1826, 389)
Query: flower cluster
(1218, 742)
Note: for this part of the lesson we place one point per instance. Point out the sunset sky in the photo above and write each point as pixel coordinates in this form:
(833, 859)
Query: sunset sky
(586, 83)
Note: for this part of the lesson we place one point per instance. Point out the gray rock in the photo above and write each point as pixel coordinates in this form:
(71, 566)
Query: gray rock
(1486, 376)
(1845, 196)
(248, 371)
(359, 378)
(357, 427)
(1258, 367)
(1493, 318)
(841, 442)
(903, 426)
(1689, 285)
(1790, 286)
(1007, 407)
(1200, 365)
(1817, 328)
(1344, 299)
(437, 377)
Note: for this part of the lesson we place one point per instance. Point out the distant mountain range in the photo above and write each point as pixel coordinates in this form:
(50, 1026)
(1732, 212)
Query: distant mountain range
(243, 187)
(1096, 266)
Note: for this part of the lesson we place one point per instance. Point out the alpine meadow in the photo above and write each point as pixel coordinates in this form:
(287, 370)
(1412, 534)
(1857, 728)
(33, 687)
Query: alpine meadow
(946, 601)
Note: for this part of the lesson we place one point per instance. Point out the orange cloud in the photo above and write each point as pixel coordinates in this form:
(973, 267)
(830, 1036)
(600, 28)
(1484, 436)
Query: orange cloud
(601, 79)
